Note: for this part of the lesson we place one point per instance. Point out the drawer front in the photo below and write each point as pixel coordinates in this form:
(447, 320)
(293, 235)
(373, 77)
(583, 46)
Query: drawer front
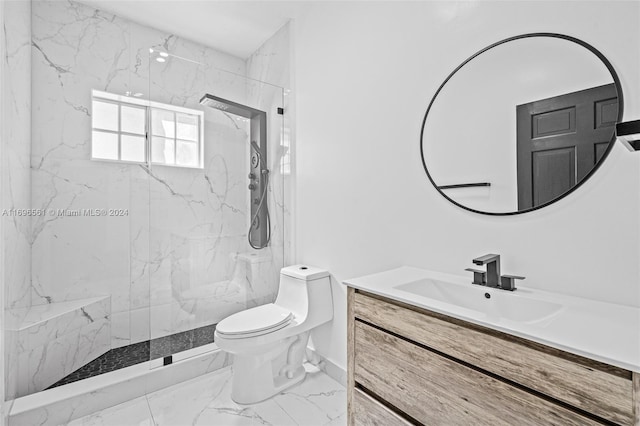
(369, 412)
(437, 391)
(574, 380)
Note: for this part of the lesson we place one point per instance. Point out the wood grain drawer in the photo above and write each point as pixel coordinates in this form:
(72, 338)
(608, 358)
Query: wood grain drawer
(369, 412)
(594, 387)
(435, 390)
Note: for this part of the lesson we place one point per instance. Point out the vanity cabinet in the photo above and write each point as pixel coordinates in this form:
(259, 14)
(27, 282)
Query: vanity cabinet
(408, 365)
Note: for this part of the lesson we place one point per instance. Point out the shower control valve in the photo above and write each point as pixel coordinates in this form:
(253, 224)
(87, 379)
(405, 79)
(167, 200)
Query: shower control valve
(252, 186)
(252, 176)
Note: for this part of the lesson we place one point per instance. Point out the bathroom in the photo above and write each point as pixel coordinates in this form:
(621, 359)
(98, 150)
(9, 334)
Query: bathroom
(345, 87)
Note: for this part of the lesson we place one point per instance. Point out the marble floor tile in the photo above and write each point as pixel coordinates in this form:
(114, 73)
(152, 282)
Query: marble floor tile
(317, 400)
(132, 413)
(206, 400)
(339, 421)
(201, 401)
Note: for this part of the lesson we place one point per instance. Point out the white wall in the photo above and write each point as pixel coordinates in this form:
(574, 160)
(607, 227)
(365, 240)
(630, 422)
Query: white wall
(365, 73)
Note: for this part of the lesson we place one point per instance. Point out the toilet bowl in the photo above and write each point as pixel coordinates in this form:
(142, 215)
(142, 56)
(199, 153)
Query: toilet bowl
(269, 341)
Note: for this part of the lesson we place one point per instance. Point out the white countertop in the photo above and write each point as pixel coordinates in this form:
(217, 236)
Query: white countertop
(605, 332)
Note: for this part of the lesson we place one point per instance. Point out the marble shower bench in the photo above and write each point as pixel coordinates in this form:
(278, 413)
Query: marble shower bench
(50, 341)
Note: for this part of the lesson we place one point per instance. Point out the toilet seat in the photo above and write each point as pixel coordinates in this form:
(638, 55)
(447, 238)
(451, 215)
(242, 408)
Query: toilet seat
(254, 322)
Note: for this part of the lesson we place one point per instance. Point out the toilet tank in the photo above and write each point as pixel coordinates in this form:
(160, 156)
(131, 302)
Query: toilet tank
(306, 291)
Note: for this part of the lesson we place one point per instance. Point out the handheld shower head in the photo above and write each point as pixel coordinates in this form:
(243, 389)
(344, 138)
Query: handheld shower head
(264, 182)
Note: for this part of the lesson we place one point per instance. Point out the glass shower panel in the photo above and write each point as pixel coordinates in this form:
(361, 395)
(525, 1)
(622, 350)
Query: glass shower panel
(207, 187)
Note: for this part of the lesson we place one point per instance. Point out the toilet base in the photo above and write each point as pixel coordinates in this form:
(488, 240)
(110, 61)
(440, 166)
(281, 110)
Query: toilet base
(259, 377)
(280, 387)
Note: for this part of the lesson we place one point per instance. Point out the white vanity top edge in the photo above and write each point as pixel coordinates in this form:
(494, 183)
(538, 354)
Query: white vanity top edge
(605, 332)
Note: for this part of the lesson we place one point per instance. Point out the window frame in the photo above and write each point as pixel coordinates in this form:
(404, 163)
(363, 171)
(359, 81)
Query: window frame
(148, 106)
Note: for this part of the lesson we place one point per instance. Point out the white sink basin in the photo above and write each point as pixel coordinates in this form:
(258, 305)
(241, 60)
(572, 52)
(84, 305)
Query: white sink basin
(499, 304)
(606, 332)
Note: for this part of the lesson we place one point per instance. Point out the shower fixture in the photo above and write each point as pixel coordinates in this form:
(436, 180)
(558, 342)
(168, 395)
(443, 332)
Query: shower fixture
(260, 227)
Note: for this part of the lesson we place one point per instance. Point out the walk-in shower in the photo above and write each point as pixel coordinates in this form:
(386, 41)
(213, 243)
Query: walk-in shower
(259, 233)
(175, 242)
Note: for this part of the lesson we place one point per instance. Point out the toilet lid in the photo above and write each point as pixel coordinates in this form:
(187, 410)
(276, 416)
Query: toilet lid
(260, 318)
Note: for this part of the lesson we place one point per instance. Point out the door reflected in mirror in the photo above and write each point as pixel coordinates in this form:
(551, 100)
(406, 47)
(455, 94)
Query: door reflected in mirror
(521, 124)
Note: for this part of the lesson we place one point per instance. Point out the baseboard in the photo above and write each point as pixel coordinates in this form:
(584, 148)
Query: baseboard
(327, 366)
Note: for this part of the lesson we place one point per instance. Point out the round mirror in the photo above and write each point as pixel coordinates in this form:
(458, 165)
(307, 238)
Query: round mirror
(521, 124)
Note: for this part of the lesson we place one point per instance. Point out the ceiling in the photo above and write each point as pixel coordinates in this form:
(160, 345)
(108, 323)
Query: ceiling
(235, 27)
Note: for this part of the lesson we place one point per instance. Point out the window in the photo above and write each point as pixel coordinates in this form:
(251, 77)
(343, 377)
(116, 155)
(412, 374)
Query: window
(175, 138)
(118, 131)
(134, 130)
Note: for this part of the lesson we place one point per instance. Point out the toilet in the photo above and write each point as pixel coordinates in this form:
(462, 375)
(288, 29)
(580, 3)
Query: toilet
(269, 341)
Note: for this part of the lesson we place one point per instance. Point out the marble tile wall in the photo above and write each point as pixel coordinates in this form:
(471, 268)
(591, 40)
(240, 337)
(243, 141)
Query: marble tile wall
(3, 46)
(179, 260)
(15, 96)
(176, 253)
(16, 189)
(55, 339)
(197, 218)
(49, 363)
(271, 64)
(44, 323)
(76, 49)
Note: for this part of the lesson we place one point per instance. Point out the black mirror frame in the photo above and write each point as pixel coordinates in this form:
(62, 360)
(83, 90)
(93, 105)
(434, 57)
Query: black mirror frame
(582, 43)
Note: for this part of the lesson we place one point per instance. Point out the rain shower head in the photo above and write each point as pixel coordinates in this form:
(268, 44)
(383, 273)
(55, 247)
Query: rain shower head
(229, 106)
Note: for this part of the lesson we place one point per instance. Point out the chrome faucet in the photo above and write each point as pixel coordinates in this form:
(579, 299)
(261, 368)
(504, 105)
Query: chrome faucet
(492, 277)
